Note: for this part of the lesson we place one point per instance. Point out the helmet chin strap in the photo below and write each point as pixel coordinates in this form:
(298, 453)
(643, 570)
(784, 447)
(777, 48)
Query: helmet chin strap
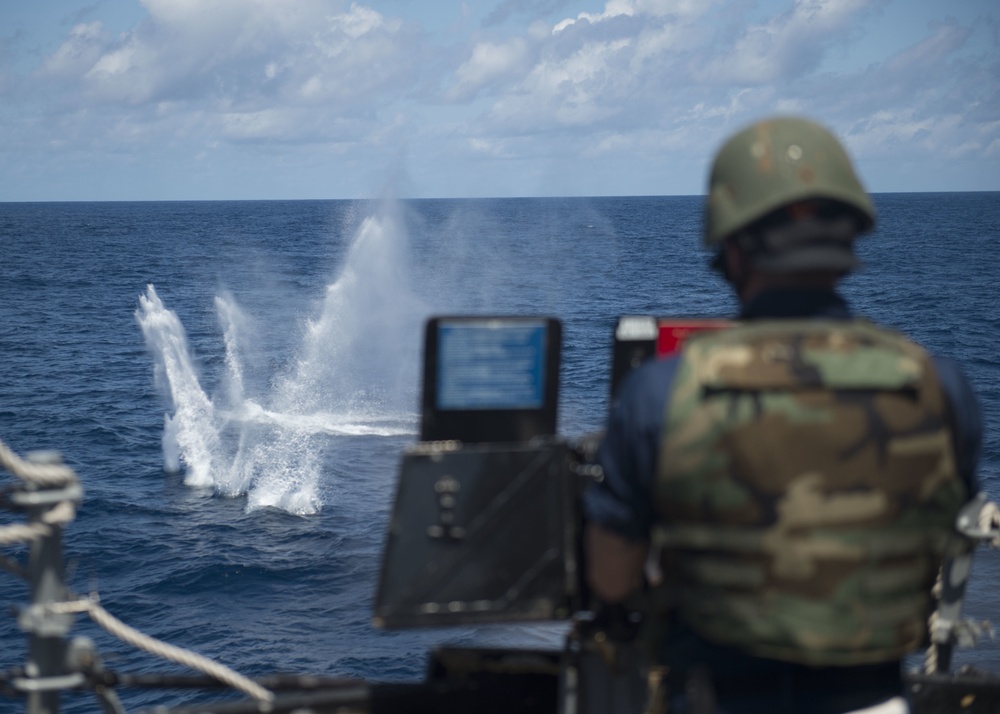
(722, 262)
(741, 280)
(842, 229)
(765, 240)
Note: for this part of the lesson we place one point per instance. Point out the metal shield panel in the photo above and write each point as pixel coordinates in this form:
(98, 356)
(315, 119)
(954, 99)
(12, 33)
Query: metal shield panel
(482, 533)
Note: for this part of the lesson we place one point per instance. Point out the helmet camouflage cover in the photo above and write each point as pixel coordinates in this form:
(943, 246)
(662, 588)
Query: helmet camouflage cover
(773, 164)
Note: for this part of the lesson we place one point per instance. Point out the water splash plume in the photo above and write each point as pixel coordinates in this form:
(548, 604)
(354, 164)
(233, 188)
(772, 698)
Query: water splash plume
(190, 427)
(354, 372)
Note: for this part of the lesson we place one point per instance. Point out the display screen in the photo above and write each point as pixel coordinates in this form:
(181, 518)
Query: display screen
(491, 364)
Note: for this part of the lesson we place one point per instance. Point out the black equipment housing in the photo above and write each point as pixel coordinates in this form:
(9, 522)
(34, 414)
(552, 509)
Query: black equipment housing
(490, 379)
(482, 533)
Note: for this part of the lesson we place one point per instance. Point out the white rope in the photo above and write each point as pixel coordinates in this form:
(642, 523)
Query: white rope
(155, 647)
(19, 533)
(48, 475)
(931, 653)
(989, 520)
(63, 512)
(45, 475)
(59, 515)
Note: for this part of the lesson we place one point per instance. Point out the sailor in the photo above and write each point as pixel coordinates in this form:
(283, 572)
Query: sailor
(794, 477)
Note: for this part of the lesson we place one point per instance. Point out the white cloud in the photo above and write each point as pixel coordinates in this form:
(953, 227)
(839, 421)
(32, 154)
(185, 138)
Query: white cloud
(112, 63)
(360, 21)
(737, 103)
(946, 38)
(616, 65)
(489, 147)
(82, 48)
(567, 91)
(242, 53)
(650, 78)
(789, 44)
(641, 80)
(631, 8)
(490, 62)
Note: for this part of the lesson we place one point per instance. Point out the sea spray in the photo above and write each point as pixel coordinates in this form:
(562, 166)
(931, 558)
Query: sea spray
(354, 372)
(232, 321)
(171, 449)
(191, 429)
(359, 354)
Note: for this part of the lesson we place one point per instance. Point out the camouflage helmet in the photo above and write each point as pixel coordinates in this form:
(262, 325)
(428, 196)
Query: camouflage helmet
(776, 163)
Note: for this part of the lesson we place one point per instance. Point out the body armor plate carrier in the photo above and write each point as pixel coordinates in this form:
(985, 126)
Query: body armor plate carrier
(806, 487)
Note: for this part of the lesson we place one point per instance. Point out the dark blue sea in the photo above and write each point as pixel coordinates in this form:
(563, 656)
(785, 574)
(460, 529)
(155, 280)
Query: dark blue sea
(234, 383)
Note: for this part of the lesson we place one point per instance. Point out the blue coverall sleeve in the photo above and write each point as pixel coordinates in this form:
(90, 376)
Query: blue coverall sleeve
(622, 500)
(966, 419)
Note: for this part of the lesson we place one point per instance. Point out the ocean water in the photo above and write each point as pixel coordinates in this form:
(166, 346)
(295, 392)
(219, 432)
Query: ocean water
(234, 383)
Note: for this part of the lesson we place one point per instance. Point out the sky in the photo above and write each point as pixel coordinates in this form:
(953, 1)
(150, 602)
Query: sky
(325, 99)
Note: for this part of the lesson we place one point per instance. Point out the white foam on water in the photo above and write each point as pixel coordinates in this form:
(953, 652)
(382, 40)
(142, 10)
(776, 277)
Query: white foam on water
(327, 422)
(353, 374)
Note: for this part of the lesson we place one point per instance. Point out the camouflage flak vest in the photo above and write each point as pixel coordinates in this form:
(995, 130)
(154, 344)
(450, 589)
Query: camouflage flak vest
(806, 487)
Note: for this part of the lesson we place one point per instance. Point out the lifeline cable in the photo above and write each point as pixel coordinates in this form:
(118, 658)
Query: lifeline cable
(45, 475)
(988, 523)
(48, 475)
(989, 520)
(55, 475)
(179, 655)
